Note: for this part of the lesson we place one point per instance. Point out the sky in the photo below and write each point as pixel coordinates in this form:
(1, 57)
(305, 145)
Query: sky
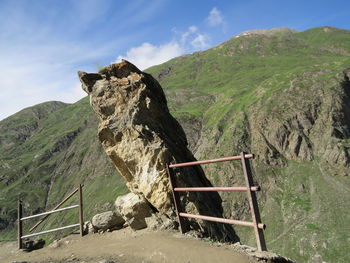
(44, 43)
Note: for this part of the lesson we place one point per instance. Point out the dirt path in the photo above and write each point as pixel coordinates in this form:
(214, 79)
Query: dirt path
(127, 246)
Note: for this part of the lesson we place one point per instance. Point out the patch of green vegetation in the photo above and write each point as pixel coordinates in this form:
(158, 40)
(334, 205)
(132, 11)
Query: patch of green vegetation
(313, 227)
(102, 70)
(302, 197)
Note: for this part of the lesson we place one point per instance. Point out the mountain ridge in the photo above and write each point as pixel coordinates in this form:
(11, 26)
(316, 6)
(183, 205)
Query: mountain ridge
(267, 32)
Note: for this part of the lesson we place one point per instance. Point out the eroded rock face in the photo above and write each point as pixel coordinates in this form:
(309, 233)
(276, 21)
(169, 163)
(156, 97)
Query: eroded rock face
(305, 128)
(141, 137)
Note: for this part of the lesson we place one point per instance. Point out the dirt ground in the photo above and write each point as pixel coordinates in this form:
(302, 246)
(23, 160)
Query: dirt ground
(127, 246)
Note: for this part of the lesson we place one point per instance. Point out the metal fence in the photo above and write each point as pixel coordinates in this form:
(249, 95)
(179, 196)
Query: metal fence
(249, 188)
(47, 214)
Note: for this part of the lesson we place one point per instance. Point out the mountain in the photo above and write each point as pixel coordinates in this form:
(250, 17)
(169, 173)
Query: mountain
(280, 94)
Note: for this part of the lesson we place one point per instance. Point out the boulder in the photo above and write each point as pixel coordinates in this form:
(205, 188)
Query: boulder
(141, 137)
(134, 209)
(107, 220)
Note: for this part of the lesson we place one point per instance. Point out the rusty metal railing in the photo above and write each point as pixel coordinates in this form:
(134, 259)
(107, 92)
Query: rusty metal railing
(249, 188)
(47, 214)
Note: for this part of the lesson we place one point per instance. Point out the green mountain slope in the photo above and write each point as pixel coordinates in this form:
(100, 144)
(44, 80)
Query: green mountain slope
(284, 96)
(46, 151)
(280, 94)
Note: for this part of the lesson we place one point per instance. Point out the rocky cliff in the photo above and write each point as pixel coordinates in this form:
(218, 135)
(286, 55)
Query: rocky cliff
(141, 137)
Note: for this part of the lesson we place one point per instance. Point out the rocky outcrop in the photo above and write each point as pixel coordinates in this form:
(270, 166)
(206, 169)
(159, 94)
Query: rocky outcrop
(141, 137)
(302, 130)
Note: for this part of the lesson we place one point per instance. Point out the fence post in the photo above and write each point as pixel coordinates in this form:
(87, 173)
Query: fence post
(81, 217)
(253, 203)
(176, 198)
(20, 228)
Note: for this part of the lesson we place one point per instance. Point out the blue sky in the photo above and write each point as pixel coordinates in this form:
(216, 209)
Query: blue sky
(44, 43)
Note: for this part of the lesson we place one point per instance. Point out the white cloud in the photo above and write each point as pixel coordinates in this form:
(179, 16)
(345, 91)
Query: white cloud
(148, 55)
(200, 42)
(193, 39)
(215, 18)
(191, 30)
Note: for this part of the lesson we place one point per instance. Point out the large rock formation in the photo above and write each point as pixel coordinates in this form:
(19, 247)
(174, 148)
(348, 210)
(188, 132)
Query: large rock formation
(141, 137)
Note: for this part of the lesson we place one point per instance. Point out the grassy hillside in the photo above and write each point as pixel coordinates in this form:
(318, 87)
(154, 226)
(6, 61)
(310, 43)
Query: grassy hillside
(282, 95)
(285, 97)
(46, 151)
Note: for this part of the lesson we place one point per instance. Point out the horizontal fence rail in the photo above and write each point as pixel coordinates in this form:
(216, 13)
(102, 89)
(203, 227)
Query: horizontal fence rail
(49, 231)
(224, 159)
(212, 189)
(223, 220)
(249, 189)
(48, 213)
